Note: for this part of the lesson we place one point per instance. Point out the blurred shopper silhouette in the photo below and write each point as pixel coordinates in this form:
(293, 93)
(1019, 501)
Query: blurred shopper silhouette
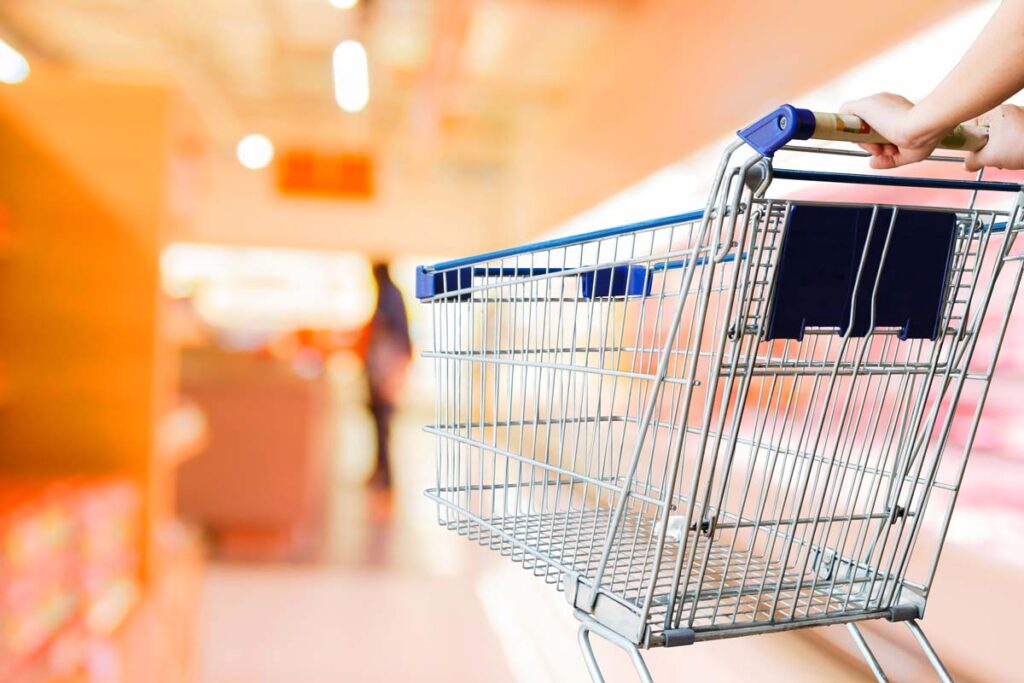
(387, 354)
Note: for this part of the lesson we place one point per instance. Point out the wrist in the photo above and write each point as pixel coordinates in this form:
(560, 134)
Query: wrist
(922, 129)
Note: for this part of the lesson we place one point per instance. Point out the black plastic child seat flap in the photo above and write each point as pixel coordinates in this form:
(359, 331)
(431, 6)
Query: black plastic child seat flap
(821, 252)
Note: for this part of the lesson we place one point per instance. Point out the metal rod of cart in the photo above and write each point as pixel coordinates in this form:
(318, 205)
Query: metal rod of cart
(732, 421)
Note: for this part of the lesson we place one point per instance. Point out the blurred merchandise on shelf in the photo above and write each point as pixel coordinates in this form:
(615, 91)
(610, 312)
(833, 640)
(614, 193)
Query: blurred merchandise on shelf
(69, 569)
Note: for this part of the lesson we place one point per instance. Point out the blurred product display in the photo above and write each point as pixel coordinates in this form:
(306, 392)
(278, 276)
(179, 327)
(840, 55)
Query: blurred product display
(70, 557)
(91, 428)
(269, 436)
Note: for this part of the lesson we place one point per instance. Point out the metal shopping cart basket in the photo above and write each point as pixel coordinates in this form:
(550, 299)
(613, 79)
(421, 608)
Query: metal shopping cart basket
(733, 421)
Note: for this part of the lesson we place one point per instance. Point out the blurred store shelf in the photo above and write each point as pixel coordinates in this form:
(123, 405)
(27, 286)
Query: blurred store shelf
(182, 434)
(70, 565)
(86, 380)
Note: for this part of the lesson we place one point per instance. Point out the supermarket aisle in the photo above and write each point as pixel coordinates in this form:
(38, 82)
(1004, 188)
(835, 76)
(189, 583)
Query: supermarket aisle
(400, 599)
(278, 625)
(389, 601)
(273, 625)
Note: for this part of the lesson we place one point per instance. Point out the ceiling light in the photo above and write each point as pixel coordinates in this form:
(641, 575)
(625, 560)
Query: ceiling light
(344, 4)
(255, 151)
(351, 76)
(13, 66)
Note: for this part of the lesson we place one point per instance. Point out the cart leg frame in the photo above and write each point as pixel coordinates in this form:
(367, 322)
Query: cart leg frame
(589, 625)
(922, 641)
(866, 653)
(929, 651)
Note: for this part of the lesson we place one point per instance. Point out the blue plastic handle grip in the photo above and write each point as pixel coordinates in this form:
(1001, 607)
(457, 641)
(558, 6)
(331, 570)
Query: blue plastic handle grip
(770, 133)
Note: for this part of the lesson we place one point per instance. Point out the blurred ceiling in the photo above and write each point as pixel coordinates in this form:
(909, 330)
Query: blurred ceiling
(489, 120)
(448, 77)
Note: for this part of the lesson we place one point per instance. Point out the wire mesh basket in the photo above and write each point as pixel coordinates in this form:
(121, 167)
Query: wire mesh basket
(731, 421)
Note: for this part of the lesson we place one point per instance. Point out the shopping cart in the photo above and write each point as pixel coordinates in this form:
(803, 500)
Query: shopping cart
(733, 421)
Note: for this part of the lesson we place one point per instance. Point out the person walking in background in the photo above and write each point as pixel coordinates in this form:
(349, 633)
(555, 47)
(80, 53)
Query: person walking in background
(991, 71)
(386, 360)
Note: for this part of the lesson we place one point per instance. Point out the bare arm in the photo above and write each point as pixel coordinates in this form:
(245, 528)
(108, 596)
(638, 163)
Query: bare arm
(991, 71)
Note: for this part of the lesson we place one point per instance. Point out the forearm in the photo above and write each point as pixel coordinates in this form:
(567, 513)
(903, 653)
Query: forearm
(991, 71)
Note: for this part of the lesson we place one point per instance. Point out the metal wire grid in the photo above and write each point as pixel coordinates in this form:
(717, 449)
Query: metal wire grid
(801, 471)
(548, 543)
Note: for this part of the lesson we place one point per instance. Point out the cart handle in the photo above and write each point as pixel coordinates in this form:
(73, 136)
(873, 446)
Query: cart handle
(768, 134)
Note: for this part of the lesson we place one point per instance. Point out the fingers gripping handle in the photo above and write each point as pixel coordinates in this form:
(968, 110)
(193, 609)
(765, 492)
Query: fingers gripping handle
(768, 134)
(852, 129)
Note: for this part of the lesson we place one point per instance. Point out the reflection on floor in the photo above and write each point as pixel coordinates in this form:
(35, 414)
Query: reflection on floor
(398, 598)
(320, 624)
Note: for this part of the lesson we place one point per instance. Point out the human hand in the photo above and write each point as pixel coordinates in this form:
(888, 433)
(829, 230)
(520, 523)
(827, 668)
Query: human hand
(1005, 146)
(890, 116)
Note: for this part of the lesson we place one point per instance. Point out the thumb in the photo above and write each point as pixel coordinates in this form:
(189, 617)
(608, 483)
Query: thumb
(973, 162)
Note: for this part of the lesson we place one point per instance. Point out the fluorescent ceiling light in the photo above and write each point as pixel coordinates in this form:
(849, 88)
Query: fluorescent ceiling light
(344, 4)
(13, 66)
(351, 76)
(255, 151)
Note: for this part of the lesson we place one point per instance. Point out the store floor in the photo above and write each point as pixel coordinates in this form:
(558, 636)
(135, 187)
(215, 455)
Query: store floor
(397, 598)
